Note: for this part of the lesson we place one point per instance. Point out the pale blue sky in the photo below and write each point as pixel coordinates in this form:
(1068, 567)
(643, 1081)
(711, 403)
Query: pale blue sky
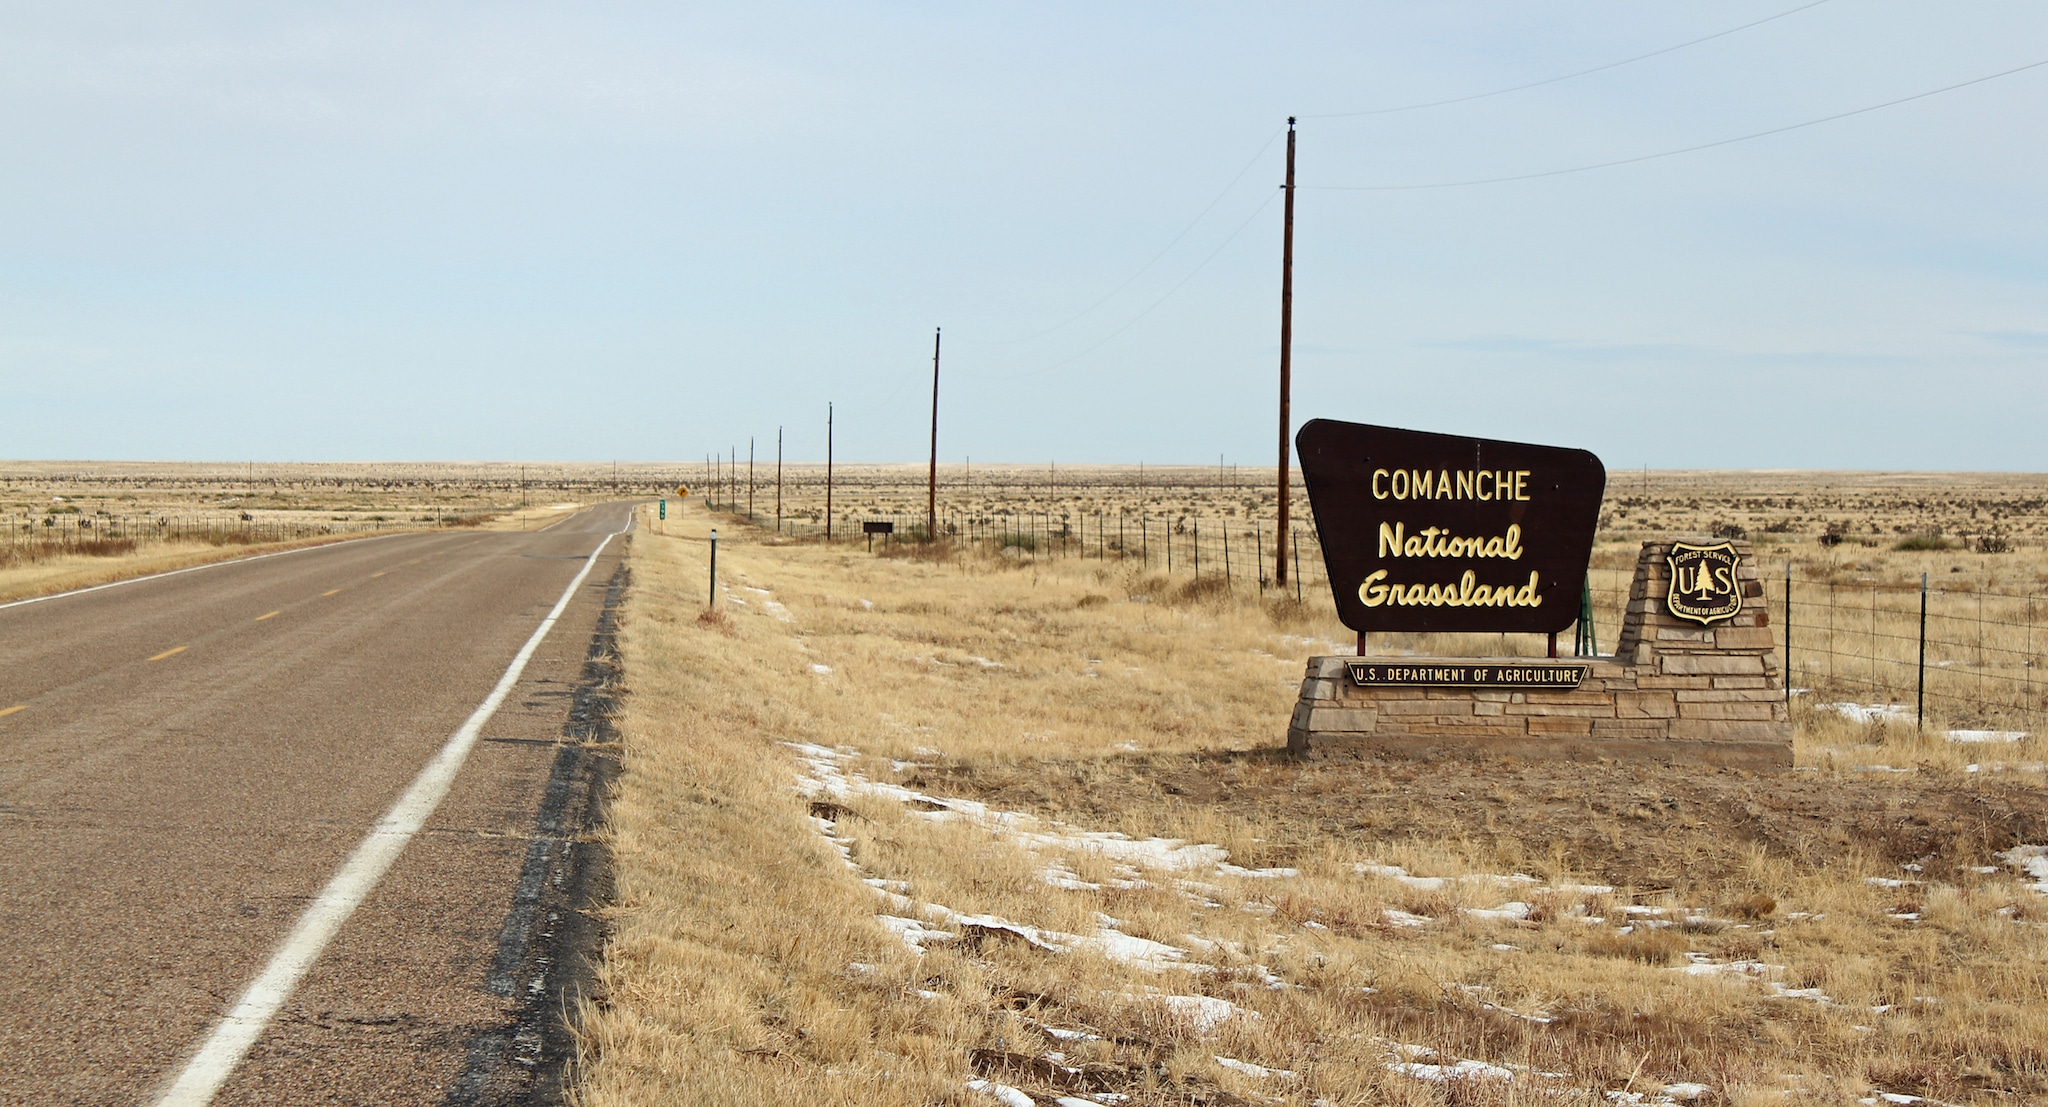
(445, 231)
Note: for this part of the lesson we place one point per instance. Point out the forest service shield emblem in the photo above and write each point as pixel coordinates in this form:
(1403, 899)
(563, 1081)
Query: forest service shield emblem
(1703, 582)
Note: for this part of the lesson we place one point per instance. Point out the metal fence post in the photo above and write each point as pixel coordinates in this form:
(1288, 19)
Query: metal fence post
(1788, 634)
(1296, 536)
(713, 591)
(1920, 699)
(1585, 643)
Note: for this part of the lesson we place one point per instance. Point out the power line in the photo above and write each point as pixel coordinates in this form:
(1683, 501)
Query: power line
(1566, 76)
(1162, 299)
(1683, 149)
(1143, 269)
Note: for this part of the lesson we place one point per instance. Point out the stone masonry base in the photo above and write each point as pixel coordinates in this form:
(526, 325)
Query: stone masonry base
(1675, 691)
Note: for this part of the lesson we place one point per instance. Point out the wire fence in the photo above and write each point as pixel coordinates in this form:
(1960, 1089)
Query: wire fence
(1911, 649)
(1971, 663)
(1241, 553)
(32, 538)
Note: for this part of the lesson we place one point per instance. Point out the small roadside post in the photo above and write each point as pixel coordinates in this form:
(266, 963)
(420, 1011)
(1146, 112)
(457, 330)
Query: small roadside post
(713, 590)
(1920, 695)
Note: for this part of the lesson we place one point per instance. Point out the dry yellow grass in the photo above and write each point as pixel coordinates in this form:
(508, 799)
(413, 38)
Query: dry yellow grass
(974, 728)
(67, 525)
(62, 572)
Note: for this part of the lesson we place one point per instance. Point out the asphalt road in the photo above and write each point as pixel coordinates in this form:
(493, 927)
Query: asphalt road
(185, 762)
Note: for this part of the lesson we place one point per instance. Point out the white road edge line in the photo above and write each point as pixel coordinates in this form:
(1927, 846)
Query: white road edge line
(224, 1049)
(196, 568)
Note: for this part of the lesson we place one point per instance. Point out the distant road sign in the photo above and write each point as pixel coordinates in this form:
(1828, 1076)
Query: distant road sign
(682, 492)
(878, 526)
(664, 510)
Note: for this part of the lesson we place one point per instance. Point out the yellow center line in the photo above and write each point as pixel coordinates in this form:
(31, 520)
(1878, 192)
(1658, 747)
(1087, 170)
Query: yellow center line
(6, 711)
(272, 615)
(329, 592)
(169, 652)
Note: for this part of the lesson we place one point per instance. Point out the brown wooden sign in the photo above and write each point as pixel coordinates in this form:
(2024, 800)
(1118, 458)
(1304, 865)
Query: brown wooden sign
(1437, 532)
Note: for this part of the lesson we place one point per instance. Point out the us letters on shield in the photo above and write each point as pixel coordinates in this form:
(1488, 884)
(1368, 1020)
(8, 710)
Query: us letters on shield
(1703, 582)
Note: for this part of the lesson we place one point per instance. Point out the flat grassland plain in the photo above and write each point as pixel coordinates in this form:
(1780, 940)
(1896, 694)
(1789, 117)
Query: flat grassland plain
(976, 823)
(73, 524)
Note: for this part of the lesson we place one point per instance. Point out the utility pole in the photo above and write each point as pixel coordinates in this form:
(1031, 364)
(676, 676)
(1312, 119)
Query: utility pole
(931, 487)
(828, 472)
(778, 480)
(1286, 352)
(750, 478)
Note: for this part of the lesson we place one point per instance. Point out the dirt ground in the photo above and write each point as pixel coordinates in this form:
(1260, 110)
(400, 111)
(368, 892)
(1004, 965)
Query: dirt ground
(1639, 826)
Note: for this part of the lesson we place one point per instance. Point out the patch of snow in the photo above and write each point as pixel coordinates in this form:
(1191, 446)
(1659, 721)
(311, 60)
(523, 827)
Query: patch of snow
(1396, 872)
(1143, 953)
(1444, 1074)
(2031, 860)
(1046, 940)
(1870, 712)
(1513, 909)
(1228, 869)
(1900, 713)
(1068, 880)
(1397, 917)
(1002, 1093)
(820, 669)
(1260, 1071)
(1205, 1013)
(1156, 853)
(1699, 964)
(986, 663)
(913, 932)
